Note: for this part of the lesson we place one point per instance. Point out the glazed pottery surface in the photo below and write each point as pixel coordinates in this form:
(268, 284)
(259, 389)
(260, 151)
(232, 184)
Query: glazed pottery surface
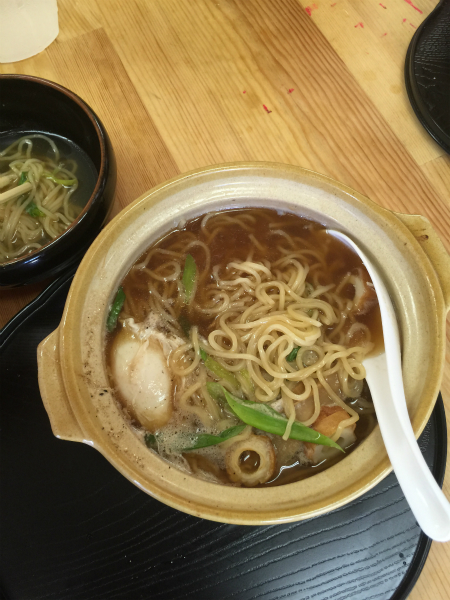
(72, 371)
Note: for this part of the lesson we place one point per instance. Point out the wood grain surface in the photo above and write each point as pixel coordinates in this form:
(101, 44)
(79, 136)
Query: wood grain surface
(180, 84)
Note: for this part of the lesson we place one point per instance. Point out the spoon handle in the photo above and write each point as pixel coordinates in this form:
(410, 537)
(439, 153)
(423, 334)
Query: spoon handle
(384, 377)
(426, 500)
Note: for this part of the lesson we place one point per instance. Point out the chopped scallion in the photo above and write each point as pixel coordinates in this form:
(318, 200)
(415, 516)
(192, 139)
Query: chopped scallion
(33, 210)
(184, 324)
(150, 440)
(188, 278)
(218, 370)
(114, 312)
(204, 440)
(64, 182)
(293, 354)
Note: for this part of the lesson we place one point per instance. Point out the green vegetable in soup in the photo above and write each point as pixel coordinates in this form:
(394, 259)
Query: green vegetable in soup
(196, 441)
(309, 289)
(293, 354)
(115, 310)
(188, 278)
(33, 210)
(216, 368)
(150, 440)
(204, 440)
(215, 390)
(247, 383)
(184, 324)
(263, 417)
(65, 182)
(23, 177)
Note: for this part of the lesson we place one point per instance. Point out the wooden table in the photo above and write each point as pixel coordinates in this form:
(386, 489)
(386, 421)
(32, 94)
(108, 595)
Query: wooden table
(184, 83)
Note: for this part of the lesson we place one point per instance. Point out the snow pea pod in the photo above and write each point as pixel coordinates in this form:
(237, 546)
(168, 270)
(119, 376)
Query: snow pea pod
(263, 417)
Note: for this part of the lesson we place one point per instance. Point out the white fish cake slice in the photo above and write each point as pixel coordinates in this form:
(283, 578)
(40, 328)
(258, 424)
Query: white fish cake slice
(143, 378)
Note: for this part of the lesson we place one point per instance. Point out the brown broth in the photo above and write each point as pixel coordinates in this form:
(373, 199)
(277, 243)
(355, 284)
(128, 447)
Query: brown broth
(233, 243)
(297, 472)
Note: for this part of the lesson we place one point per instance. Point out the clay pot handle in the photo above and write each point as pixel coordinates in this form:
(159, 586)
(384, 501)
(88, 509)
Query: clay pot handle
(51, 385)
(431, 244)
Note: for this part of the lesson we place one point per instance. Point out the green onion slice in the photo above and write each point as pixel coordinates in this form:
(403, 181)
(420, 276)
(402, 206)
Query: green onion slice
(184, 324)
(150, 440)
(204, 440)
(65, 182)
(23, 177)
(115, 310)
(248, 386)
(263, 417)
(188, 278)
(218, 370)
(215, 390)
(293, 354)
(33, 210)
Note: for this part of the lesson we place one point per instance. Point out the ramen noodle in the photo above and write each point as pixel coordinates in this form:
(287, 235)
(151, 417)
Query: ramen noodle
(37, 191)
(236, 346)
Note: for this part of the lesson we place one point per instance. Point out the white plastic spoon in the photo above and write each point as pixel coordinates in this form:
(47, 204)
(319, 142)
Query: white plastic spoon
(384, 377)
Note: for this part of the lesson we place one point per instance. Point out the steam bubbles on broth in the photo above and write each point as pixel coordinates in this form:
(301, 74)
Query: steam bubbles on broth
(44, 184)
(236, 350)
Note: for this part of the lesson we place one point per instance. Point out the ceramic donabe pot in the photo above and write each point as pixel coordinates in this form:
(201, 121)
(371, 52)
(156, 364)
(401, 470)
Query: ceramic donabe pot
(72, 370)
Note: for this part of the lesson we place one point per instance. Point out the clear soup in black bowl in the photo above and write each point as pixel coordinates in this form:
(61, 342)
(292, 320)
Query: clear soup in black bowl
(30, 106)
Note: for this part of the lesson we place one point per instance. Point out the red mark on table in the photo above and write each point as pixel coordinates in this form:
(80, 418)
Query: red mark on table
(404, 21)
(290, 90)
(414, 7)
(415, 26)
(384, 34)
(309, 9)
(244, 92)
(360, 24)
(333, 4)
(266, 109)
(382, 5)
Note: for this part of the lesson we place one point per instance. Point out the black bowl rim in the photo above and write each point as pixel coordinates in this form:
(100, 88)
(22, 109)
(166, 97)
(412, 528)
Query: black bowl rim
(417, 102)
(102, 174)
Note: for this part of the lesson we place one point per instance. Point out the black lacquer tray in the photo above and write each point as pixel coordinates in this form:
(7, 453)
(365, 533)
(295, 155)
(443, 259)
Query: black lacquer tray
(72, 528)
(427, 74)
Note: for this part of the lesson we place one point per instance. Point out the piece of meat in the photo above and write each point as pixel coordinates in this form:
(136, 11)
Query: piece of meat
(328, 420)
(326, 423)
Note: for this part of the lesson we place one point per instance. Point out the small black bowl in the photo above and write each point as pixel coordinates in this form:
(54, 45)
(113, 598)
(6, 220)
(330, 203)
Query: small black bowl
(33, 104)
